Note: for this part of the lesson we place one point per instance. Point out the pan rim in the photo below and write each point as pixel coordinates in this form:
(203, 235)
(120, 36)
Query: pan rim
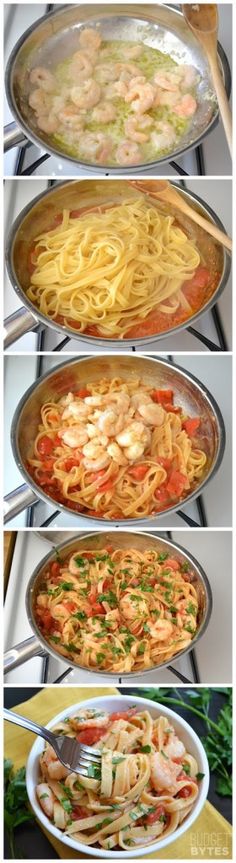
(34, 138)
(98, 341)
(129, 675)
(132, 521)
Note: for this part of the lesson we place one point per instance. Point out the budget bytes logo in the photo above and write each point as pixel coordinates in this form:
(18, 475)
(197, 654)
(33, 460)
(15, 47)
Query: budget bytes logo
(209, 845)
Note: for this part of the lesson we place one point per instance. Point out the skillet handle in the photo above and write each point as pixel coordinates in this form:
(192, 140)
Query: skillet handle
(17, 501)
(18, 324)
(22, 652)
(13, 136)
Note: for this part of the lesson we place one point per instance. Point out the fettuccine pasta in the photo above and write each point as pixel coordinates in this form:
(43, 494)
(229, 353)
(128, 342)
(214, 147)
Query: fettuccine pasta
(143, 790)
(106, 270)
(118, 610)
(117, 449)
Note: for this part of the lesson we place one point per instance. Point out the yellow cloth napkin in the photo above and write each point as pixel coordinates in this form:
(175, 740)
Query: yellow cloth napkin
(209, 831)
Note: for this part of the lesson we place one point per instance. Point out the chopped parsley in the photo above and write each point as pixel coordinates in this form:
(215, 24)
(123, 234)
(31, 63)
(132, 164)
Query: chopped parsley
(186, 769)
(128, 641)
(80, 615)
(42, 796)
(117, 760)
(162, 556)
(189, 628)
(141, 649)
(184, 567)
(146, 748)
(80, 561)
(94, 771)
(191, 608)
(65, 803)
(54, 638)
(164, 755)
(200, 776)
(67, 585)
(124, 585)
(100, 657)
(109, 597)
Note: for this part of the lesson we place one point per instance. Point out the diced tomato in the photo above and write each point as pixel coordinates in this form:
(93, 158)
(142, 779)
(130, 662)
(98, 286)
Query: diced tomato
(47, 464)
(127, 714)
(162, 396)
(185, 792)
(97, 608)
(154, 816)
(172, 409)
(176, 483)
(164, 462)
(47, 620)
(90, 735)
(45, 479)
(45, 445)
(106, 486)
(55, 568)
(162, 494)
(58, 218)
(69, 606)
(92, 595)
(57, 440)
(79, 812)
(108, 584)
(96, 475)
(72, 461)
(139, 471)
(200, 279)
(191, 425)
(173, 564)
(82, 393)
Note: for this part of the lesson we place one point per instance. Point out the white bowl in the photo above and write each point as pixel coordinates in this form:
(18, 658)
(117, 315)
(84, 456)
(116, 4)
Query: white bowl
(113, 703)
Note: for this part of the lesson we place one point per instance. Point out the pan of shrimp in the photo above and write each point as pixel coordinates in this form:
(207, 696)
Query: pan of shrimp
(96, 547)
(112, 87)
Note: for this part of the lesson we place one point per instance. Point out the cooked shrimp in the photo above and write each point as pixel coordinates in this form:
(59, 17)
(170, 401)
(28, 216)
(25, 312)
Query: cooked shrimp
(39, 101)
(87, 95)
(105, 73)
(49, 125)
(131, 608)
(68, 117)
(96, 457)
(43, 78)
(51, 766)
(90, 718)
(116, 454)
(46, 798)
(90, 38)
(81, 65)
(132, 52)
(152, 414)
(96, 145)
(186, 107)
(134, 439)
(120, 89)
(175, 748)
(122, 400)
(104, 113)
(164, 136)
(164, 773)
(110, 422)
(188, 76)
(161, 630)
(133, 126)
(127, 71)
(128, 153)
(76, 409)
(94, 401)
(167, 80)
(76, 436)
(166, 98)
(140, 399)
(72, 566)
(141, 96)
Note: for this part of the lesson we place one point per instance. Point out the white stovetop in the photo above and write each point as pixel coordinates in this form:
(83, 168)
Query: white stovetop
(216, 193)
(212, 370)
(211, 549)
(217, 159)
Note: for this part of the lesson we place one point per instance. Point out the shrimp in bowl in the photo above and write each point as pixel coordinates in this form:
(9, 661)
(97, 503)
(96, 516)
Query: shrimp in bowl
(132, 733)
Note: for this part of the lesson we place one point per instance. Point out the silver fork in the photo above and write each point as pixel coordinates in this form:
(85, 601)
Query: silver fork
(75, 756)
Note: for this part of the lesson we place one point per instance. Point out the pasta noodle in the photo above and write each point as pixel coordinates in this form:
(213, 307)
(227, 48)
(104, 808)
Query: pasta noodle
(117, 449)
(146, 786)
(118, 610)
(106, 271)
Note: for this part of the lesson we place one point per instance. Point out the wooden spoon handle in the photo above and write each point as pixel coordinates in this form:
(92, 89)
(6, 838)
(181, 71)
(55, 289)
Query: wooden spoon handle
(175, 198)
(223, 103)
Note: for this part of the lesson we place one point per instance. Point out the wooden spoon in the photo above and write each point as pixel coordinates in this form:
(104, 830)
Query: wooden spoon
(203, 21)
(163, 190)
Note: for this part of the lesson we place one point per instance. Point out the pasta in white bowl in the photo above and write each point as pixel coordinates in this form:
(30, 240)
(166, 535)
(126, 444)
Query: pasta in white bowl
(139, 831)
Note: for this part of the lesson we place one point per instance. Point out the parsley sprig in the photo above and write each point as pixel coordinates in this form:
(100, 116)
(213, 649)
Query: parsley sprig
(16, 809)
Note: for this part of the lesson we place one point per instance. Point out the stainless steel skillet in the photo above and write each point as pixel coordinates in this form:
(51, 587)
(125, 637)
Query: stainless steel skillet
(37, 644)
(38, 215)
(55, 37)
